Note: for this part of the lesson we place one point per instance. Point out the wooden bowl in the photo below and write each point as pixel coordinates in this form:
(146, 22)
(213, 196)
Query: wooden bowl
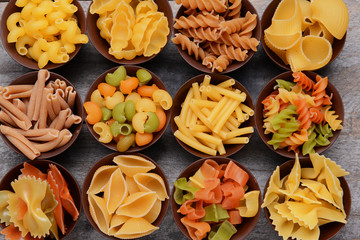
(180, 97)
(246, 6)
(43, 165)
(247, 225)
(131, 71)
(266, 20)
(23, 60)
(75, 129)
(108, 160)
(337, 106)
(102, 46)
(329, 230)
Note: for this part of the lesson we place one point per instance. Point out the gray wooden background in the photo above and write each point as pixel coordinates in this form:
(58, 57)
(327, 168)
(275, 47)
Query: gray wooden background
(344, 73)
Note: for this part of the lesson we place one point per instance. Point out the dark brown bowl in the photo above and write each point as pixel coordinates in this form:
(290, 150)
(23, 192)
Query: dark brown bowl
(108, 160)
(247, 225)
(337, 106)
(43, 165)
(180, 97)
(246, 6)
(23, 60)
(266, 20)
(131, 71)
(102, 46)
(329, 230)
(30, 78)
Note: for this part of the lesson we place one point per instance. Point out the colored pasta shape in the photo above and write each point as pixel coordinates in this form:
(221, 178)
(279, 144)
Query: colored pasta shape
(195, 21)
(202, 34)
(303, 81)
(221, 63)
(188, 45)
(236, 40)
(209, 5)
(230, 51)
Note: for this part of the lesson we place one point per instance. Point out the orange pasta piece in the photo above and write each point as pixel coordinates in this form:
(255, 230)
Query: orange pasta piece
(316, 115)
(210, 169)
(106, 90)
(193, 213)
(142, 139)
(30, 170)
(147, 91)
(283, 105)
(93, 112)
(303, 111)
(196, 230)
(303, 81)
(128, 85)
(235, 193)
(235, 173)
(222, 169)
(110, 121)
(13, 233)
(22, 209)
(58, 211)
(211, 193)
(162, 118)
(234, 217)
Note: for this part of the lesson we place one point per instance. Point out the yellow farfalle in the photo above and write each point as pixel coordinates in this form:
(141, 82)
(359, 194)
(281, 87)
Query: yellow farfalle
(151, 182)
(4, 211)
(273, 192)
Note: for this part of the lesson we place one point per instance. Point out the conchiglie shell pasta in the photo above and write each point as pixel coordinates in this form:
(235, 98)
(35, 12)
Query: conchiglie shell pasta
(280, 53)
(116, 223)
(333, 14)
(100, 179)
(115, 191)
(131, 185)
(132, 164)
(154, 212)
(134, 228)
(99, 213)
(151, 182)
(137, 204)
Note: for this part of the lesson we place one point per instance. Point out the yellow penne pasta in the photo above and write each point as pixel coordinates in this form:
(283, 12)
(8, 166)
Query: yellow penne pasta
(237, 140)
(194, 144)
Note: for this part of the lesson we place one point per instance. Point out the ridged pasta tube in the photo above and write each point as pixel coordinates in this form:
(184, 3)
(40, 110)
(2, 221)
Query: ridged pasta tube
(191, 47)
(208, 5)
(201, 20)
(230, 51)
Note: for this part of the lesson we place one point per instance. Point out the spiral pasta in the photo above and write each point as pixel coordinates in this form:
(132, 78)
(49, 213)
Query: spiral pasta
(230, 51)
(319, 92)
(303, 81)
(235, 8)
(187, 44)
(283, 133)
(200, 20)
(208, 34)
(304, 114)
(238, 41)
(331, 118)
(208, 5)
(221, 63)
(295, 140)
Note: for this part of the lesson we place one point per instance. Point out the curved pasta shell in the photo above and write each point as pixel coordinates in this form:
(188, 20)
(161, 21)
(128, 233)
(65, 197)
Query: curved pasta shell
(283, 42)
(152, 182)
(280, 53)
(137, 204)
(333, 14)
(156, 39)
(115, 191)
(99, 213)
(306, 14)
(100, 179)
(134, 228)
(145, 6)
(103, 6)
(317, 29)
(154, 212)
(131, 185)
(249, 204)
(132, 164)
(116, 223)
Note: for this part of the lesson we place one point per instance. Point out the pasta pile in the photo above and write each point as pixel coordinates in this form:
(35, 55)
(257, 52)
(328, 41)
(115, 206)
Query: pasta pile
(36, 118)
(131, 33)
(302, 32)
(36, 208)
(124, 200)
(306, 198)
(211, 116)
(216, 35)
(299, 113)
(215, 194)
(45, 30)
(127, 110)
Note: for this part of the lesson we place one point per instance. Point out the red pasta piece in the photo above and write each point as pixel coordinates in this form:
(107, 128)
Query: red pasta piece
(303, 81)
(304, 114)
(295, 140)
(211, 193)
(58, 211)
(196, 230)
(30, 170)
(319, 92)
(210, 169)
(66, 199)
(236, 194)
(13, 233)
(193, 213)
(316, 116)
(222, 168)
(234, 217)
(268, 100)
(235, 173)
(22, 209)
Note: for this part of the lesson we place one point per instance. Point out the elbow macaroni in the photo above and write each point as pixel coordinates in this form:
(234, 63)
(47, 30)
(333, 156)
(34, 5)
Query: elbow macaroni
(45, 30)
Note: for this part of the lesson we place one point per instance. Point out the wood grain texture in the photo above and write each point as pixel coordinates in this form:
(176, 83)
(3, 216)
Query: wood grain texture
(344, 73)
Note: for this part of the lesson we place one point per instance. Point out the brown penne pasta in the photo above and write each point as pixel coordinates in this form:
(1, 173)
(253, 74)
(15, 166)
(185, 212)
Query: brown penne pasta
(61, 96)
(17, 95)
(19, 104)
(59, 121)
(4, 118)
(43, 109)
(48, 146)
(70, 95)
(36, 95)
(72, 119)
(16, 115)
(59, 84)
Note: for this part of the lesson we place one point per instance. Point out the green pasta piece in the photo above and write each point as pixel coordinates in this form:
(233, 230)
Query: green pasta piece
(116, 77)
(182, 186)
(308, 146)
(284, 132)
(283, 117)
(321, 140)
(130, 110)
(284, 84)
(143, 76)
(118, 112)
(324, 130)
(115, 128)
(214, 213)
(222, 232)
(125, 129)
(105, 114)
(152, 123)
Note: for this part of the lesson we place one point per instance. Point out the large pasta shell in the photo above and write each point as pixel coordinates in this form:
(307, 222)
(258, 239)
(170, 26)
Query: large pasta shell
(100, 179)
(154, 212)
(115, 191)
(306, 14)
(99, 213)
(116, 223)
(131, 185)
(152, 182)
(135, 228)
(132, 164)
(137, 204)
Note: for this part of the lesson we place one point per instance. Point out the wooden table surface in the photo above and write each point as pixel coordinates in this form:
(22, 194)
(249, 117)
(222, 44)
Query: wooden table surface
(344, 73)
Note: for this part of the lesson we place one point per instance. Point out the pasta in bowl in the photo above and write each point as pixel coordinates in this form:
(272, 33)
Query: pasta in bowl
(299, 112)
(43, 35)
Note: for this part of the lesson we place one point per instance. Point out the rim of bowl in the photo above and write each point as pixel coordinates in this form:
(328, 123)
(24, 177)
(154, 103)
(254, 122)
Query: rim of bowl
(73, 188)
(191, 169)
(102, 46)
(75, 129)
(28, 62)
(180, 97)
(107, 160)
(155, 79)
(327, 230)
(337, 45)
(268, 88)
(235, 65)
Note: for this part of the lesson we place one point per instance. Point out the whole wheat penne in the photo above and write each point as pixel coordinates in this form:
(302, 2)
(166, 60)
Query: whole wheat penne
(38, 132)
(19, 104)
(17, 88)
(49, 107)
(60, 84)
(33, 111)
(59, 121)
(65, 139)
(4, 118)
(61, 95)
(26, 102)
(18, 95)
(43, 109)
(51, 84)
(72, 119)
(55, 103)
(70, 95)
(48, 146)
(16, 115)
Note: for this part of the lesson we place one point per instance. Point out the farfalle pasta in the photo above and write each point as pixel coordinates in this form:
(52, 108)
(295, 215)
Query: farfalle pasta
(125, 199)
(306, 198)
(302, 32)
(131, 31)
(35, 208)
(217, 36)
